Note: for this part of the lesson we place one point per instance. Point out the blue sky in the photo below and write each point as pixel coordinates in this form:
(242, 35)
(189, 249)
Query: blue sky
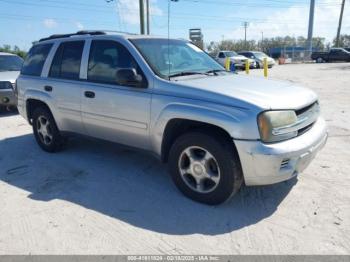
(24, 21)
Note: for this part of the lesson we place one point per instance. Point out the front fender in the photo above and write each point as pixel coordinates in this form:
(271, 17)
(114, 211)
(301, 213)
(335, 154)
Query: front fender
(234, 122)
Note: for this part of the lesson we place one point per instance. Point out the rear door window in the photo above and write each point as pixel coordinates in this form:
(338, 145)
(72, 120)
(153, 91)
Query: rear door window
(35, 59)
(67, 60)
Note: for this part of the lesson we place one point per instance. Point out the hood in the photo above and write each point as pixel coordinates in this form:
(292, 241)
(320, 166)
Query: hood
(10, 76)
(262, 93)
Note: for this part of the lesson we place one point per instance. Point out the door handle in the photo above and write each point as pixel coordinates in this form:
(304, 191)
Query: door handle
(48, 88)
(89, 94)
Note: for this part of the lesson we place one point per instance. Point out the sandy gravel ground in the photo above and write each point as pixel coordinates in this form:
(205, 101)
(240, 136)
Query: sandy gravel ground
(99, 198)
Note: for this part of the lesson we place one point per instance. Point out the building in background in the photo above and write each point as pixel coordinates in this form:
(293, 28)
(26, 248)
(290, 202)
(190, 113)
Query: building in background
(294, 53)
(196, 37)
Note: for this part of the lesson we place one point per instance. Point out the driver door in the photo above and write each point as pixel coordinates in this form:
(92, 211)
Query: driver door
(110, 110)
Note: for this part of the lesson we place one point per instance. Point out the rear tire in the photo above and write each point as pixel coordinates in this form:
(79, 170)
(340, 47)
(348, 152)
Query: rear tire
(205, 167)
(45, 130)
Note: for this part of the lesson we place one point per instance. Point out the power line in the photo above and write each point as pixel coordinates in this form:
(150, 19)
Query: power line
(176, 15)
(98, 8)
(238, 20)
(256, 4)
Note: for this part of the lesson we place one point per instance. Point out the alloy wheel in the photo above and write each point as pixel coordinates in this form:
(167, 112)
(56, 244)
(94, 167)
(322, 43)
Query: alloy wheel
(44, 130)
(199, 169)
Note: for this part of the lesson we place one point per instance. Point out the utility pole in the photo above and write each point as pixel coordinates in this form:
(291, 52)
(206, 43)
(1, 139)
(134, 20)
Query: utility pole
(262, 41)
(311, 26)
(147, 17)
(142, 18)
(340, 22)
(245, 24)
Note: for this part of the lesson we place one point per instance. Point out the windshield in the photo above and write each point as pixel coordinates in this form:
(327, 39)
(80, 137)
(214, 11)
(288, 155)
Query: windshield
(10, 63)
(171, 57)
(260, 55)
(230, 54)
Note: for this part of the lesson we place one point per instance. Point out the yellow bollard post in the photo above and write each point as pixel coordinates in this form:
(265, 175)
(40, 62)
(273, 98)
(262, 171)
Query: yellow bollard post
(227, 64)
(265, 67)
(247, 66)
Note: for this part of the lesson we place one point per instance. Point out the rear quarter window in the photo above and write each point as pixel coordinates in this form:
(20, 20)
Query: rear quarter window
(34, 62)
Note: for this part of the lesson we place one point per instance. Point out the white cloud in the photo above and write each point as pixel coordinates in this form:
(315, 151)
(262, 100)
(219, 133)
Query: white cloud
(50, 23)
(294, 22)
(79, 25)
(128, 10)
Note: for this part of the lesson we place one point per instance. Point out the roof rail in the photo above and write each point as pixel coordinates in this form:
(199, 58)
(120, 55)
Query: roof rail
(119, 32)
(84, 32)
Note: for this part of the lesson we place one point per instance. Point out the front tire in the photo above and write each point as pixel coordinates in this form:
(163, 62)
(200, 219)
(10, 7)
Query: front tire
(205, 168)
(45, 130)
(320, 60)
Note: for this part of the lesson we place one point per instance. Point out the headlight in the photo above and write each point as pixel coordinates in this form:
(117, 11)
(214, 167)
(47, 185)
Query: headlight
(273, 125)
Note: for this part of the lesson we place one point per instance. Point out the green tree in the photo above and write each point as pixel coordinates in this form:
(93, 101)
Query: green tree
(344, 41)
(266, 44)
(15, 50)
(231, 45)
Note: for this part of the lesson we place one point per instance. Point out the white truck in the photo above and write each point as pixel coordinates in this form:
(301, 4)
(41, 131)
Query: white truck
(237, 60)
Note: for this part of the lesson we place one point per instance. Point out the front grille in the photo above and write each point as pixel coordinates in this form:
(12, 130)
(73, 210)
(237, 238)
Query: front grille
(304, 109)
(5, 85)
(307, 116)
(304, 129)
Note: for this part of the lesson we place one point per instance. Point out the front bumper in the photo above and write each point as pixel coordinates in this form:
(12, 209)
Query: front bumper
(7, 97)
(264, 164)
(270, 64)
(241, 65)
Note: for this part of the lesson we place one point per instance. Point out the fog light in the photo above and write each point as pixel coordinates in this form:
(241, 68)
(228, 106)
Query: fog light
(5, 100)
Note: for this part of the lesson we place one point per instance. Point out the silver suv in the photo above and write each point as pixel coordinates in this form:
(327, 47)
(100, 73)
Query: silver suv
(215, 129)
(10, 65)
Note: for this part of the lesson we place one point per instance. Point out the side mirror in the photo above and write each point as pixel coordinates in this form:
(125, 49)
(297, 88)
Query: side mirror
(129, 77)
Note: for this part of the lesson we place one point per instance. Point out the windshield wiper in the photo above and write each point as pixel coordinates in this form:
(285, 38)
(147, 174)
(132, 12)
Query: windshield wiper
(187, 73)
(214, 71)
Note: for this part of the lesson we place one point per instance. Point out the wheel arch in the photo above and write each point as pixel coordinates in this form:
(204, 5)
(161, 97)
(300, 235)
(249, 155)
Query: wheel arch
(32, 104)
(234, 122)
(179, 126)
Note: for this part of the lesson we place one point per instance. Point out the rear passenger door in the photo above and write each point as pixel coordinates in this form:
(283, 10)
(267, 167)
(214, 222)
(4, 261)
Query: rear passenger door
(110, 110)
(65, 85)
